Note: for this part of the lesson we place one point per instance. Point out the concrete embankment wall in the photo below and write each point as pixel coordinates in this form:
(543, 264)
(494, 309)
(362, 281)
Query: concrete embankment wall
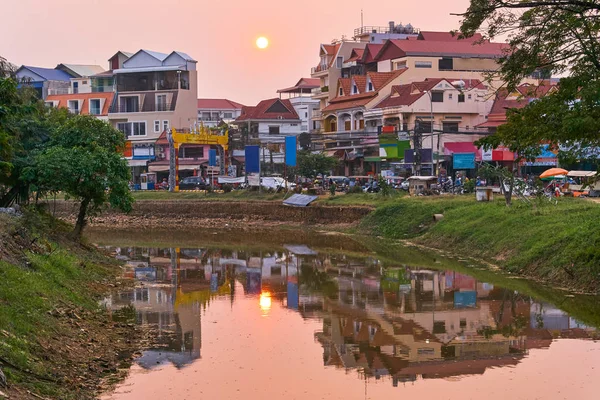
(230, 210)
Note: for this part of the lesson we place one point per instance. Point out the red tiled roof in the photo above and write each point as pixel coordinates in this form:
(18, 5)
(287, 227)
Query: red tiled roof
(504, 100)
(301, 85)
(404, 95)
(330, 48)
(351, 102)
(402, 48)
(219, 104)
(260, 111)
(371, 52)
(84, 98)
(356, 55)
(379, 80)
(446, 37)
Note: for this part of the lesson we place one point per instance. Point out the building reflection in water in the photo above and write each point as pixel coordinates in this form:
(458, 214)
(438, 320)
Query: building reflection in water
(394, 321)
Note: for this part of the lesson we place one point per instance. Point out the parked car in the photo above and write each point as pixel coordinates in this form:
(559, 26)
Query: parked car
(192, 183)
(405, 185)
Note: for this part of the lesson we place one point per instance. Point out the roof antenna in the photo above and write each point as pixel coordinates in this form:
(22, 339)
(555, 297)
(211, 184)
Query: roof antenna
(362, 25)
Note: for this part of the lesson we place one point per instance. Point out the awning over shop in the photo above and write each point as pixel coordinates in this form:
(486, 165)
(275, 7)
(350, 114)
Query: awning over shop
(451, 148)
(137, 163)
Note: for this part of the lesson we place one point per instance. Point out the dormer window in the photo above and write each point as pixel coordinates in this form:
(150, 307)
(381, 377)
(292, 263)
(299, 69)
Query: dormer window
(341, 91)
(370, 86)
(354, 89)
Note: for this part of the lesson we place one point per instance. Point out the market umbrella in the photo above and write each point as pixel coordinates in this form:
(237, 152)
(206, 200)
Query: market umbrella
(553, 172)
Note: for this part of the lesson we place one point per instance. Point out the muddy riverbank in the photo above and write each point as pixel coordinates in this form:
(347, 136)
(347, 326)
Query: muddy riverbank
(218, 214)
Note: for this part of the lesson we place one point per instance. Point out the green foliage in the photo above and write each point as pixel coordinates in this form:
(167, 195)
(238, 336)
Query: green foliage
(385, 189)
(356, 189)
(557, 37)
(83, 160)
(227, 188)
(469, 187)
(557, 242)
(332, 189)
(312, 164)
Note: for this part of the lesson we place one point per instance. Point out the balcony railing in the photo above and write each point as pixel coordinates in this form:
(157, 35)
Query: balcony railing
(73, 110)
(103, 89)
(95, 111)
(365, 30)
(147, 107)
(319, 68)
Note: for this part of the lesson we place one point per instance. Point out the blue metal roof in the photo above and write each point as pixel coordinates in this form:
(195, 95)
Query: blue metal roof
(49, 74)
(158, 55)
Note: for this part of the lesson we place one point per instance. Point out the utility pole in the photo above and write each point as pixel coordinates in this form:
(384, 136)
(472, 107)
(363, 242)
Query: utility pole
(417, 144)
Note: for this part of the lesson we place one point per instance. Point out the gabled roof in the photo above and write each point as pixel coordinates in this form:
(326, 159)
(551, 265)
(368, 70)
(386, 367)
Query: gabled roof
(523, 95)
(84, 100)
(271, 109)
(80, 70)
(402, 48)
(158, 55)
(185, 56)
(304, 85)
(371, 52)
(219, 104)
(48, 74)
(405, 95)
(356, 55)
(349, 100)
(125, 53)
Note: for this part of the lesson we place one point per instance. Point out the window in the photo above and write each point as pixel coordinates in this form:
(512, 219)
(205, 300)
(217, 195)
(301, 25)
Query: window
(124, 127)
(73, 106)
(306, 115)
(370, 86)
(437, 97)
(49, 104)
(273, 130)
(339, 61)
(354, 89)
(450, 126)
(469, 97)
(129, 104)
(157, 126)
(138, 128)
(228, 115)
(294, 124)
(205, 116)
(461, 98)
(161, 102)
(423, 126)
(75, 87)
(446, 64)
(215, 116)
(191, 152)
(166, 125)
(449, 96)
(84, 82)
(422, 64)
(341, 91)
(95, 106)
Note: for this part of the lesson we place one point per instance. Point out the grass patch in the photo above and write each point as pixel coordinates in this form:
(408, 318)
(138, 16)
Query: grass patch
(558, 243)
(49, 308)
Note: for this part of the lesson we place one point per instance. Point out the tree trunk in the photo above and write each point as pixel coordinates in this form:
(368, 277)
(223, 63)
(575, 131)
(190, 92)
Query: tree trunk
(80, 224)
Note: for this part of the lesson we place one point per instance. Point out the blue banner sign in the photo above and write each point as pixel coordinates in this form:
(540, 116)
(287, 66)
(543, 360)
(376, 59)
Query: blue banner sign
(464, 160)
(290, 151)
(252, 159)
(212, 158)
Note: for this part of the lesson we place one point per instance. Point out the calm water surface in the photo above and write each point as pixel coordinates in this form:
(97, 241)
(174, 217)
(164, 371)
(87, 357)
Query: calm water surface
(298, 321)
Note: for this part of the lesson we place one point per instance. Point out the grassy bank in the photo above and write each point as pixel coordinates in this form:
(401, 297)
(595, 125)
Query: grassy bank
(557, 243)
(238, 195)
(55, 340)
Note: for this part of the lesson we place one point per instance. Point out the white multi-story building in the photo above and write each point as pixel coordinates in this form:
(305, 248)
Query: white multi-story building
(212, 111)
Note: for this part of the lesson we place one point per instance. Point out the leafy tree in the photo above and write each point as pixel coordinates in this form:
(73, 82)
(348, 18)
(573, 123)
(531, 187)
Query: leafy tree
(546, 37)
(24, 128)
(312, 164)
(84, 161)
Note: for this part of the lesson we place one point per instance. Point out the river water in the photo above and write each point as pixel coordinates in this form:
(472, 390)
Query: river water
(327, 318)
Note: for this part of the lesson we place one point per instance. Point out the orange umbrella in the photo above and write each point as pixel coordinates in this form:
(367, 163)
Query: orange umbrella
(553, 172)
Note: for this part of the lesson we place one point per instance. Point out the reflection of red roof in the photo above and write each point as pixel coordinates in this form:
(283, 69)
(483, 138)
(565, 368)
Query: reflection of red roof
(219, 104)
(84, 101)
(272, 109)
(433, 370)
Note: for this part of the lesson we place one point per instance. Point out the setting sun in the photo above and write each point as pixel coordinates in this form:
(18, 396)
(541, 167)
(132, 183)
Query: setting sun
(262, 42)
(265, 301)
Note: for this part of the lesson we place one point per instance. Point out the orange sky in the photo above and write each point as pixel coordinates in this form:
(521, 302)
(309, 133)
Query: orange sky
(219, 34)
